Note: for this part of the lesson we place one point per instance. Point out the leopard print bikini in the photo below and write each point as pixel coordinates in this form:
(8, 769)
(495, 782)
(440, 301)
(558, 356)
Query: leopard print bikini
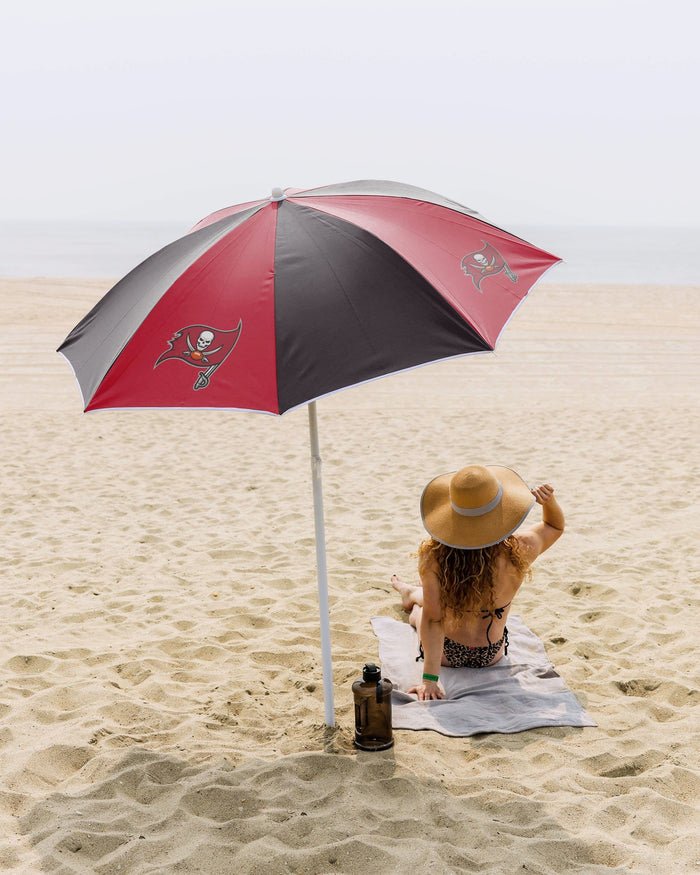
(462, 656)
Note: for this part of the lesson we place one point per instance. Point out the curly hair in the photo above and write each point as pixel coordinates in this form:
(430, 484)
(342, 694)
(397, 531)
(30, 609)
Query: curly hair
(466, 576)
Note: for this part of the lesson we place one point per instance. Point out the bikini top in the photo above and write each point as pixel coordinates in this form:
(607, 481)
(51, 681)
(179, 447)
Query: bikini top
(497, 614)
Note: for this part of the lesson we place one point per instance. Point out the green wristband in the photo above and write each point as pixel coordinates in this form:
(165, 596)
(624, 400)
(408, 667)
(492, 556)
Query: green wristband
(431, 677)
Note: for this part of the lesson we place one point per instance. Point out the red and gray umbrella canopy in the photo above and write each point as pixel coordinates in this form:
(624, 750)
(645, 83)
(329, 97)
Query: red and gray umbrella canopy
(271, 304)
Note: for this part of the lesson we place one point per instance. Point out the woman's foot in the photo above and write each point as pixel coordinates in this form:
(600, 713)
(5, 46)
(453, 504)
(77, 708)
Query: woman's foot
(406, 591)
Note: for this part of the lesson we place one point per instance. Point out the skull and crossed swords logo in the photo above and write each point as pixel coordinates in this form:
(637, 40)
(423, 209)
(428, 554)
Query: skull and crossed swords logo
(204, 341)
(202, 351)
(486, 262)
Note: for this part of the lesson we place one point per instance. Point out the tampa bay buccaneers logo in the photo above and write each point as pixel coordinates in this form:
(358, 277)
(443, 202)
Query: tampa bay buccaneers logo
(201, 346)
(484, 263)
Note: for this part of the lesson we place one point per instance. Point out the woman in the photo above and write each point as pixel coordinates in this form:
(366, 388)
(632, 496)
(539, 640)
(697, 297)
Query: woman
(473, 565)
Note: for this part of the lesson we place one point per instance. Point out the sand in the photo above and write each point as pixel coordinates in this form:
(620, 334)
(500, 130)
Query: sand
(161, 703)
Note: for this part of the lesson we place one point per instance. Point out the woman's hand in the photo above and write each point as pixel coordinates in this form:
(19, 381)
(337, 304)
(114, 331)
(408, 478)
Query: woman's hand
(427, 690)
(543, 493)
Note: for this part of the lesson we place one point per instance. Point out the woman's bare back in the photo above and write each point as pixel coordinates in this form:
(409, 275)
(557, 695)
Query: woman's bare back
(485, 625)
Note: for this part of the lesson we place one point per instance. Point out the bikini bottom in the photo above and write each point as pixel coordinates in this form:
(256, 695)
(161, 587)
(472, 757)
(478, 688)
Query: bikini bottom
(462, 656)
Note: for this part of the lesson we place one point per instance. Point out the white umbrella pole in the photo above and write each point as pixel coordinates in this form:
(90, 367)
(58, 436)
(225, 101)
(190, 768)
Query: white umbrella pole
(321, 566)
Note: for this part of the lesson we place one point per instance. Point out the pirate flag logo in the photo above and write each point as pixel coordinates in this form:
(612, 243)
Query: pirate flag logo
(198, 345)
(484, 263)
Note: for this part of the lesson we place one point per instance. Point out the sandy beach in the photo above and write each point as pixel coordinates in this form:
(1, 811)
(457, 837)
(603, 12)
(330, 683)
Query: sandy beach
(161, 702)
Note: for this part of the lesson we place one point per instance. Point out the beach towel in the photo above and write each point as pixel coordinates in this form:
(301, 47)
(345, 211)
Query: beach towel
(521, 691)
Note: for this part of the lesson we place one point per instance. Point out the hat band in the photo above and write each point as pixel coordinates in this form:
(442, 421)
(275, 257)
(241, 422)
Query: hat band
(478, 511)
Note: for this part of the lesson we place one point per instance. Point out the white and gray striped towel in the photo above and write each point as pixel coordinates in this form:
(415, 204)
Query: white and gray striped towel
(521, 691)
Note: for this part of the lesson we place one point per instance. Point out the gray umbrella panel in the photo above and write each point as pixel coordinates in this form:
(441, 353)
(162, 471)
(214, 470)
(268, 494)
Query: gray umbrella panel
(98, 339)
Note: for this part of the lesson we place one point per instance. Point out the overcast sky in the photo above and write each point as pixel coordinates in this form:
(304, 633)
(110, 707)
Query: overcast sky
(529, 111)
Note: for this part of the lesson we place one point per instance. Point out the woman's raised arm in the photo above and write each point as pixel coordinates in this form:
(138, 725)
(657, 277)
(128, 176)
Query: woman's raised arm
(542, 535)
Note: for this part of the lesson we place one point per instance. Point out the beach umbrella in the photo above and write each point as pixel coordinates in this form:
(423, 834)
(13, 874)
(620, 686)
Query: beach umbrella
(272, 304)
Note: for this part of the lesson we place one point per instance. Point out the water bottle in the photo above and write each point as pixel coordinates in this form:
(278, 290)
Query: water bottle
(372, 696)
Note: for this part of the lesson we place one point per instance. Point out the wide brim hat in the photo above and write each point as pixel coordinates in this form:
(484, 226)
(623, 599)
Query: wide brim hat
(475, 507)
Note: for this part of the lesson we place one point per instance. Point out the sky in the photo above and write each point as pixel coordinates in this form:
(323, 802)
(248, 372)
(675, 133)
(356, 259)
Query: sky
(529, 111)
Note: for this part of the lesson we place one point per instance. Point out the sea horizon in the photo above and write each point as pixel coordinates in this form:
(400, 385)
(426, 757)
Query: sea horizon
(591, 254)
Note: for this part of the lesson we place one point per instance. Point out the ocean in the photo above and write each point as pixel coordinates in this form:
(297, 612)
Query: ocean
(668, 256)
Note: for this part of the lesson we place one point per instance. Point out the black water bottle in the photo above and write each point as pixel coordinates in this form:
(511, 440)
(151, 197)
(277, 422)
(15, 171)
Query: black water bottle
(372, 696)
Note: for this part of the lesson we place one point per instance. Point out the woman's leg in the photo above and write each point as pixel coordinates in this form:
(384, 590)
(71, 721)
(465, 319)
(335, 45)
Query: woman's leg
(411, 596)
(412, 600)
(415, 615)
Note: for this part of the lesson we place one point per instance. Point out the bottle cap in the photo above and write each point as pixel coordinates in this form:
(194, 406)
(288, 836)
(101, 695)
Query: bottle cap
(371, 673)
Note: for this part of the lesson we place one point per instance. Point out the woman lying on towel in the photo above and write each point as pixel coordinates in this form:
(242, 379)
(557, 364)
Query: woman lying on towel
(473, 565)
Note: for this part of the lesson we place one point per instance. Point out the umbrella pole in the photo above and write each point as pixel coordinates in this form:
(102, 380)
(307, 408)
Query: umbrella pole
(324, 610)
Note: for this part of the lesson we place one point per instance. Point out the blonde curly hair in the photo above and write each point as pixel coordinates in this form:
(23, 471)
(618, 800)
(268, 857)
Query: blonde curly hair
(466, 576)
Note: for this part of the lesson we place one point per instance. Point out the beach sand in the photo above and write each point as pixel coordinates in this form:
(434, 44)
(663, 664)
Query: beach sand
(161, 703)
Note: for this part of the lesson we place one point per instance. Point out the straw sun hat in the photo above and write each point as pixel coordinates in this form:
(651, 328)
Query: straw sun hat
(476, 506)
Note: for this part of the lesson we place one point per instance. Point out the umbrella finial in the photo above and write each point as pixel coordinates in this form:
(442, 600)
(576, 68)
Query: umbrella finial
(278, 194)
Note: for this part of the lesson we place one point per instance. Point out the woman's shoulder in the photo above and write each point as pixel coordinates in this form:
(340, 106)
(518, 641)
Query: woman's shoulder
(429, 572)
(429, 576)
(524, 549)
(512, 568)
(427, 561)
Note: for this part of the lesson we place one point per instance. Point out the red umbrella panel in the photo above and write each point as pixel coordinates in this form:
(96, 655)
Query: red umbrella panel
(268, 305)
